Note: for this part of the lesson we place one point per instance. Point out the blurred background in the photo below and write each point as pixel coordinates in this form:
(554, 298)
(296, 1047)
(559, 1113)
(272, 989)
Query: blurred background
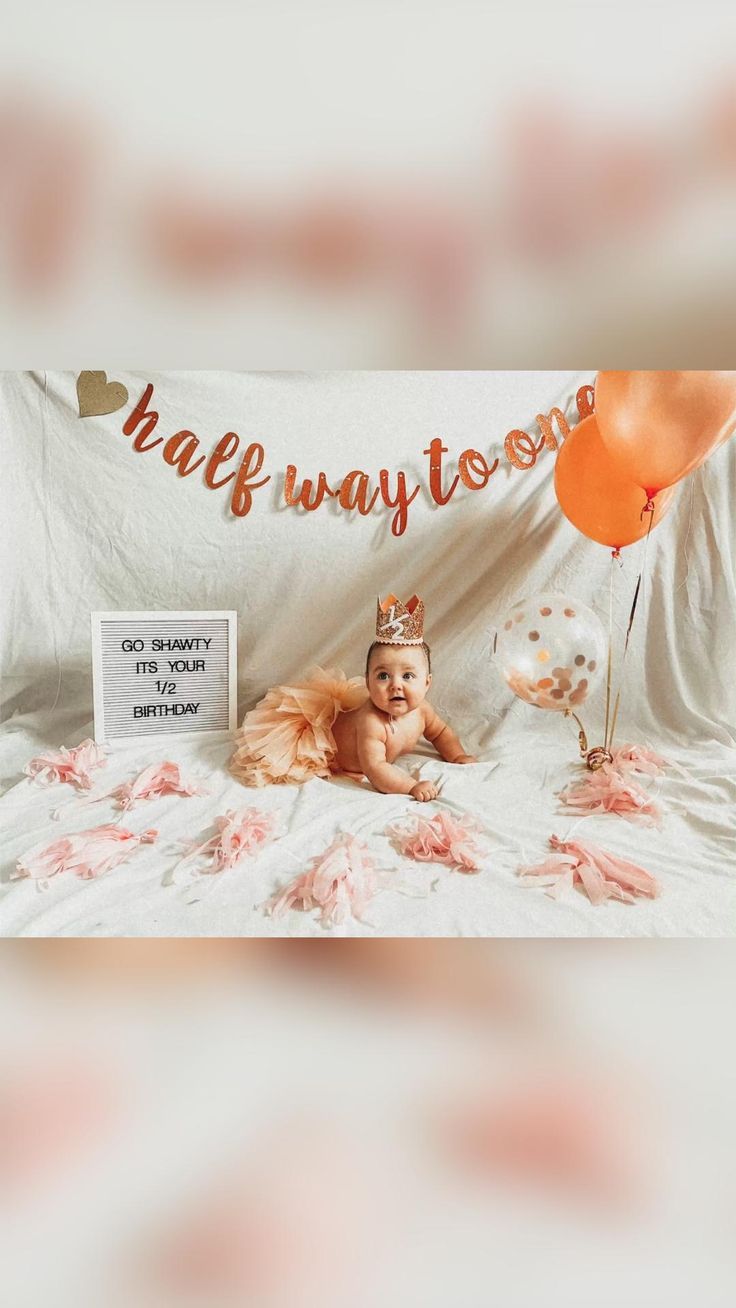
(434, 1122)
(368, 183)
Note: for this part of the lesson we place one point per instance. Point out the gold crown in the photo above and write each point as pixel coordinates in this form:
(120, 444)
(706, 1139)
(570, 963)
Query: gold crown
(400, 624)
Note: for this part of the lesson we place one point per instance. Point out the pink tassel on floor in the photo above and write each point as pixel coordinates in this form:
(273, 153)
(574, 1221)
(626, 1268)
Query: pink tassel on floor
(637, 758)
(68, 765)
(86, 853)
(238, 834)
(612, 788)
(440, 839)
(601, 875)
(341, 883)
(151, 783)
(609, 791)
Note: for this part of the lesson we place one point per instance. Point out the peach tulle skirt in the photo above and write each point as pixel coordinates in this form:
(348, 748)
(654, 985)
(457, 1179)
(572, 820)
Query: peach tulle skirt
(287, 737)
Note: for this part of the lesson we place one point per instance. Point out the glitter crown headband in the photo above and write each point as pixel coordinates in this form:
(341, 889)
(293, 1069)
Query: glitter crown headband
(400, 624)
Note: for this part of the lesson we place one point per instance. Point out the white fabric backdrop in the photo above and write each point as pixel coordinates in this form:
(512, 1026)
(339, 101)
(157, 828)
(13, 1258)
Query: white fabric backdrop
(89, 523)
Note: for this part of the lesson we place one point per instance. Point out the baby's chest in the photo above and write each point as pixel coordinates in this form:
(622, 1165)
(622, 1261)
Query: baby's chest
(402, 736)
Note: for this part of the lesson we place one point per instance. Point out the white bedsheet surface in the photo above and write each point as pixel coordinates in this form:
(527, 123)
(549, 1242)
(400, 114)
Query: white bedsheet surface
(88, 523)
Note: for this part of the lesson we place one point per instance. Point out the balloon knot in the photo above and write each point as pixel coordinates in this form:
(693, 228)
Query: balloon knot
(648, 507)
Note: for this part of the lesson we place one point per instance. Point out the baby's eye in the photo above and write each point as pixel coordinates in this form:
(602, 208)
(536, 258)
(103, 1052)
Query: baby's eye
(382, 676)
(408, 676)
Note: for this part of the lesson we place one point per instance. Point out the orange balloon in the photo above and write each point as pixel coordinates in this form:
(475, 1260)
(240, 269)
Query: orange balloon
(659, 426)
(595, 497)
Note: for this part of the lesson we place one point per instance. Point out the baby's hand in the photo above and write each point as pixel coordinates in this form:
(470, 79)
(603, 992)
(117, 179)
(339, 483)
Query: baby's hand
(424, 790)
(465, 758)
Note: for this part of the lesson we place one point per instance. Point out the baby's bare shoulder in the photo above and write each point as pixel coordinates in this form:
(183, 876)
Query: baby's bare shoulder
(431, 720)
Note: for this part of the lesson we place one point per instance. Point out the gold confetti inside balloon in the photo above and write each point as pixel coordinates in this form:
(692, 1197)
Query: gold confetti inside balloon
(551, 651)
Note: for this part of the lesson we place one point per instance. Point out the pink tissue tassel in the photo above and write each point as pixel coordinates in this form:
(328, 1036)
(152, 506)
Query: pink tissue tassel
(237, 834)
(612, 788)
(86, 853)
(159, 779)
(602, 875)
(638, 758)
(153, 782)
(70, 765)
(341, 882)
(440, 839)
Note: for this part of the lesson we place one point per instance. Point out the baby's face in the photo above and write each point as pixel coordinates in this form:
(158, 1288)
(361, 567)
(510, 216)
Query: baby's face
(398, 680)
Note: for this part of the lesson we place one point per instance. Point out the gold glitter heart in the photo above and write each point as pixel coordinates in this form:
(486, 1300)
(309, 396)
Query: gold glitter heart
(97, 395)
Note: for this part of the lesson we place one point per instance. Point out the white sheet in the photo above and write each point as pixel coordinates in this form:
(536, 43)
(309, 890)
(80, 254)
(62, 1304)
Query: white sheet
(89, 524)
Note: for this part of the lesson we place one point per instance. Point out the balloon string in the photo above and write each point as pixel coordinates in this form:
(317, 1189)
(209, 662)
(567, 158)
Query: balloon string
(609, 741)
(610, 648)
(582, 738)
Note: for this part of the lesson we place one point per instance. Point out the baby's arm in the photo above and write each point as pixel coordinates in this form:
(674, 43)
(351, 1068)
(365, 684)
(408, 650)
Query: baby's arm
(443, 738)
(383, 775)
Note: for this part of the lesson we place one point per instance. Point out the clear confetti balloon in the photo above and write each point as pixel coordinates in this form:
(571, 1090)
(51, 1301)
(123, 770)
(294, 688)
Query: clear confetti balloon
(551, 650)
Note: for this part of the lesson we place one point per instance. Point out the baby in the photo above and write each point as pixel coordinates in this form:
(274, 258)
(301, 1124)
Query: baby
(329, 725)
(392, 720)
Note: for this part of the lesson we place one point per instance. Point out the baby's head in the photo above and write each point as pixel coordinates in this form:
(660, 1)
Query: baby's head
(398, 677)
